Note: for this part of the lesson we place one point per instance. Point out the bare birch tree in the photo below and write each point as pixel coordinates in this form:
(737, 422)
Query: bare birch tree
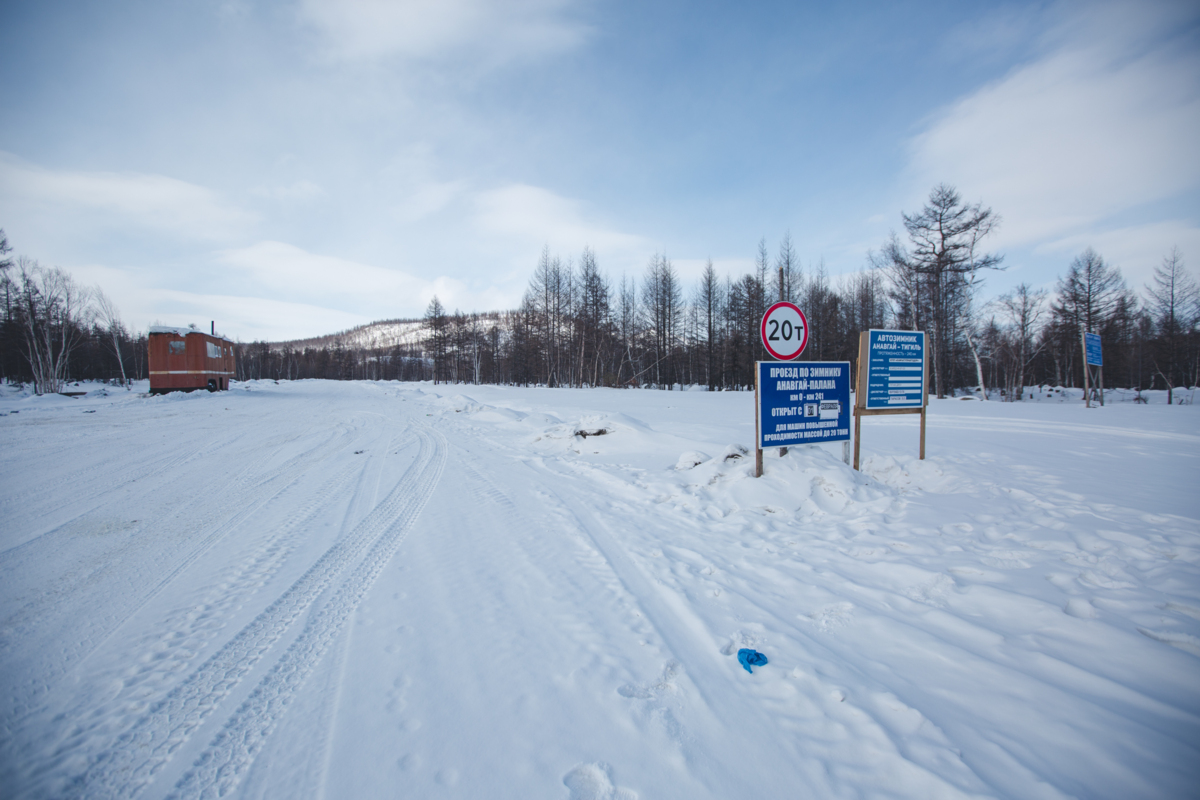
(55, 313)
(1023, 309)
(108, 316)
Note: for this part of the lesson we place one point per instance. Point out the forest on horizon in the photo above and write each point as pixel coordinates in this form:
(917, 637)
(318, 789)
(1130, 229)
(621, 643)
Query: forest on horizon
(576, 326)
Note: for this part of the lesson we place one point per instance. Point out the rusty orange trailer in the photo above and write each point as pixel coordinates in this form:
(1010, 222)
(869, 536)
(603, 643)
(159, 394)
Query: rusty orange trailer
(185, 359)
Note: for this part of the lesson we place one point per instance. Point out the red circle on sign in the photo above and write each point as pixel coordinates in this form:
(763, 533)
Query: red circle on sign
(784, 331)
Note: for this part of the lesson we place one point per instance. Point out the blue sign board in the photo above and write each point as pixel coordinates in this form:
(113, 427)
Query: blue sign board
(1091, 344)
(803, 402)
(895, 369)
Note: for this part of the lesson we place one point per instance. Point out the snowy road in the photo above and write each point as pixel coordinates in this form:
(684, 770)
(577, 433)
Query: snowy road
(369, 590)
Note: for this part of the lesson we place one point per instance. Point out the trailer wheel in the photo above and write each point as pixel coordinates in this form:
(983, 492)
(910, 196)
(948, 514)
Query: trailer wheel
(212, 385)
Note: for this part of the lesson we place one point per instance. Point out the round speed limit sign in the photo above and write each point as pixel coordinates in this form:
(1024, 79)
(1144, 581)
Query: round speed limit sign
(784, 331)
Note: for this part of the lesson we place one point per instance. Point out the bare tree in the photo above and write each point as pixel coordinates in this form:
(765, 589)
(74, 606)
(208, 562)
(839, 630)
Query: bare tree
(1090, 297)
(1174, 306)
(709, 299)
(551, 291)
(787, 265)
(108, 316)
(1023, 308)
(6, 264)
(437, 339)
(55, 312)
(629, 326)
(937, 275)
(663, 300)
(9, 334)
(1090, 292)
(593, 317)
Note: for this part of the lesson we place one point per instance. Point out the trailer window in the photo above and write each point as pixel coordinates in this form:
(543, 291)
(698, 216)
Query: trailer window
(213, 350)
(178, 348)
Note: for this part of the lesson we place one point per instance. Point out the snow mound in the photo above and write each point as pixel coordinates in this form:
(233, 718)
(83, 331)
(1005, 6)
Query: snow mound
(910, 474)
(594, 782)
(691, 458)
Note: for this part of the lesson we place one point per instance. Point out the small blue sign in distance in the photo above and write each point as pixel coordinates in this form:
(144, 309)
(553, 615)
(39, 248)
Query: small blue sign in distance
(895, 369)
(803, 402)
(1091, 343)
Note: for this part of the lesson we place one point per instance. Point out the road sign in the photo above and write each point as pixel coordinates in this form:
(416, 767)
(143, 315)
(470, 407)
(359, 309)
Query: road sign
(784, 331)
(895, 369)
(803, 403)
(1091, 345)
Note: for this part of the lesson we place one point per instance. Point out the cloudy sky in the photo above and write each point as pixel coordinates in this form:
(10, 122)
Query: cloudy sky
(296, 168)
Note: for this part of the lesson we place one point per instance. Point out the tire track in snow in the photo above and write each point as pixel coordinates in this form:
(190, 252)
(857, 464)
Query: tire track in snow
(92, 485)
(130, 764)
(755, 747)
(219, 769)
(186, 630)
(241, 498)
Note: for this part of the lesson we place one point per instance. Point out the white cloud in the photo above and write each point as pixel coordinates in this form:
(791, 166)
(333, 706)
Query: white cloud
(1102, 123)
(424, 200)
(116, 199)
(299, 191)
(285, 271)
(247, 318)
(369, 29)
(1135, 249)
(293, 271)
(538, 217)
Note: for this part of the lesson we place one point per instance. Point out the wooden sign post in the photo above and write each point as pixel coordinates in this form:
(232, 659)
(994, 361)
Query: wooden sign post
(890, 379)
(1093, 356)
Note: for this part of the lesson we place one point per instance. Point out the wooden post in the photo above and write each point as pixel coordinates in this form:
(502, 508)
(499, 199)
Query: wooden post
(922, 433)
(924, 399)
(857, 428)
(860, 396)
(1101, 371)
(758, 465)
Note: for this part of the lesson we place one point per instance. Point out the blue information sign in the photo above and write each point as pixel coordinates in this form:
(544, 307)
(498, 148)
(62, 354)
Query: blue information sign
(803, 402)
(1091, 343)
(895, 369)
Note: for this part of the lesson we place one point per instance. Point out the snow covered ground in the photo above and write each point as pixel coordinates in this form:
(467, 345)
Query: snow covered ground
(360, 590)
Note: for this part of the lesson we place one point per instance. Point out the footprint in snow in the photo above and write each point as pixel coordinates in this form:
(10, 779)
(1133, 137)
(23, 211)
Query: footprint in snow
(646, 691)
(594, 782)
(831, 617)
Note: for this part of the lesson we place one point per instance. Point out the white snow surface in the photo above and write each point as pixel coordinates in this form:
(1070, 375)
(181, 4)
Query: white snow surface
(335, 590)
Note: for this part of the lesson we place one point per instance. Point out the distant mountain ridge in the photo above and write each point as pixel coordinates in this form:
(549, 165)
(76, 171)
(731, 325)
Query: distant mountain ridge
(386, 333)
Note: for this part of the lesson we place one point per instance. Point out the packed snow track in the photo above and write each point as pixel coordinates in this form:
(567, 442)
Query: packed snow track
(326, 590)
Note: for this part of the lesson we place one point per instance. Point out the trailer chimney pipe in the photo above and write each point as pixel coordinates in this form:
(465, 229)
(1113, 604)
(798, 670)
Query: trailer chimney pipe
(214, 327)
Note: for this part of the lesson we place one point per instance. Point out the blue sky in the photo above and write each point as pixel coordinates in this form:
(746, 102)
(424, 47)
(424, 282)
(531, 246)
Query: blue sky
(295, 168)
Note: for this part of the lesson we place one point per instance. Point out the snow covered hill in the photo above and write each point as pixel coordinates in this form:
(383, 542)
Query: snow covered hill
(384, 334)
(318, 589)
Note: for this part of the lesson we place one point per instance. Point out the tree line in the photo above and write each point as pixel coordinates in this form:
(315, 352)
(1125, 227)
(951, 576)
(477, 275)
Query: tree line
(577, 326)
(55, 330)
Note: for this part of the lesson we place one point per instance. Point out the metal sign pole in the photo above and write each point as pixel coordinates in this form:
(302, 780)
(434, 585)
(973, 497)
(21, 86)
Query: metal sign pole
(782, 450)
(784, 331)
(758, 465)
